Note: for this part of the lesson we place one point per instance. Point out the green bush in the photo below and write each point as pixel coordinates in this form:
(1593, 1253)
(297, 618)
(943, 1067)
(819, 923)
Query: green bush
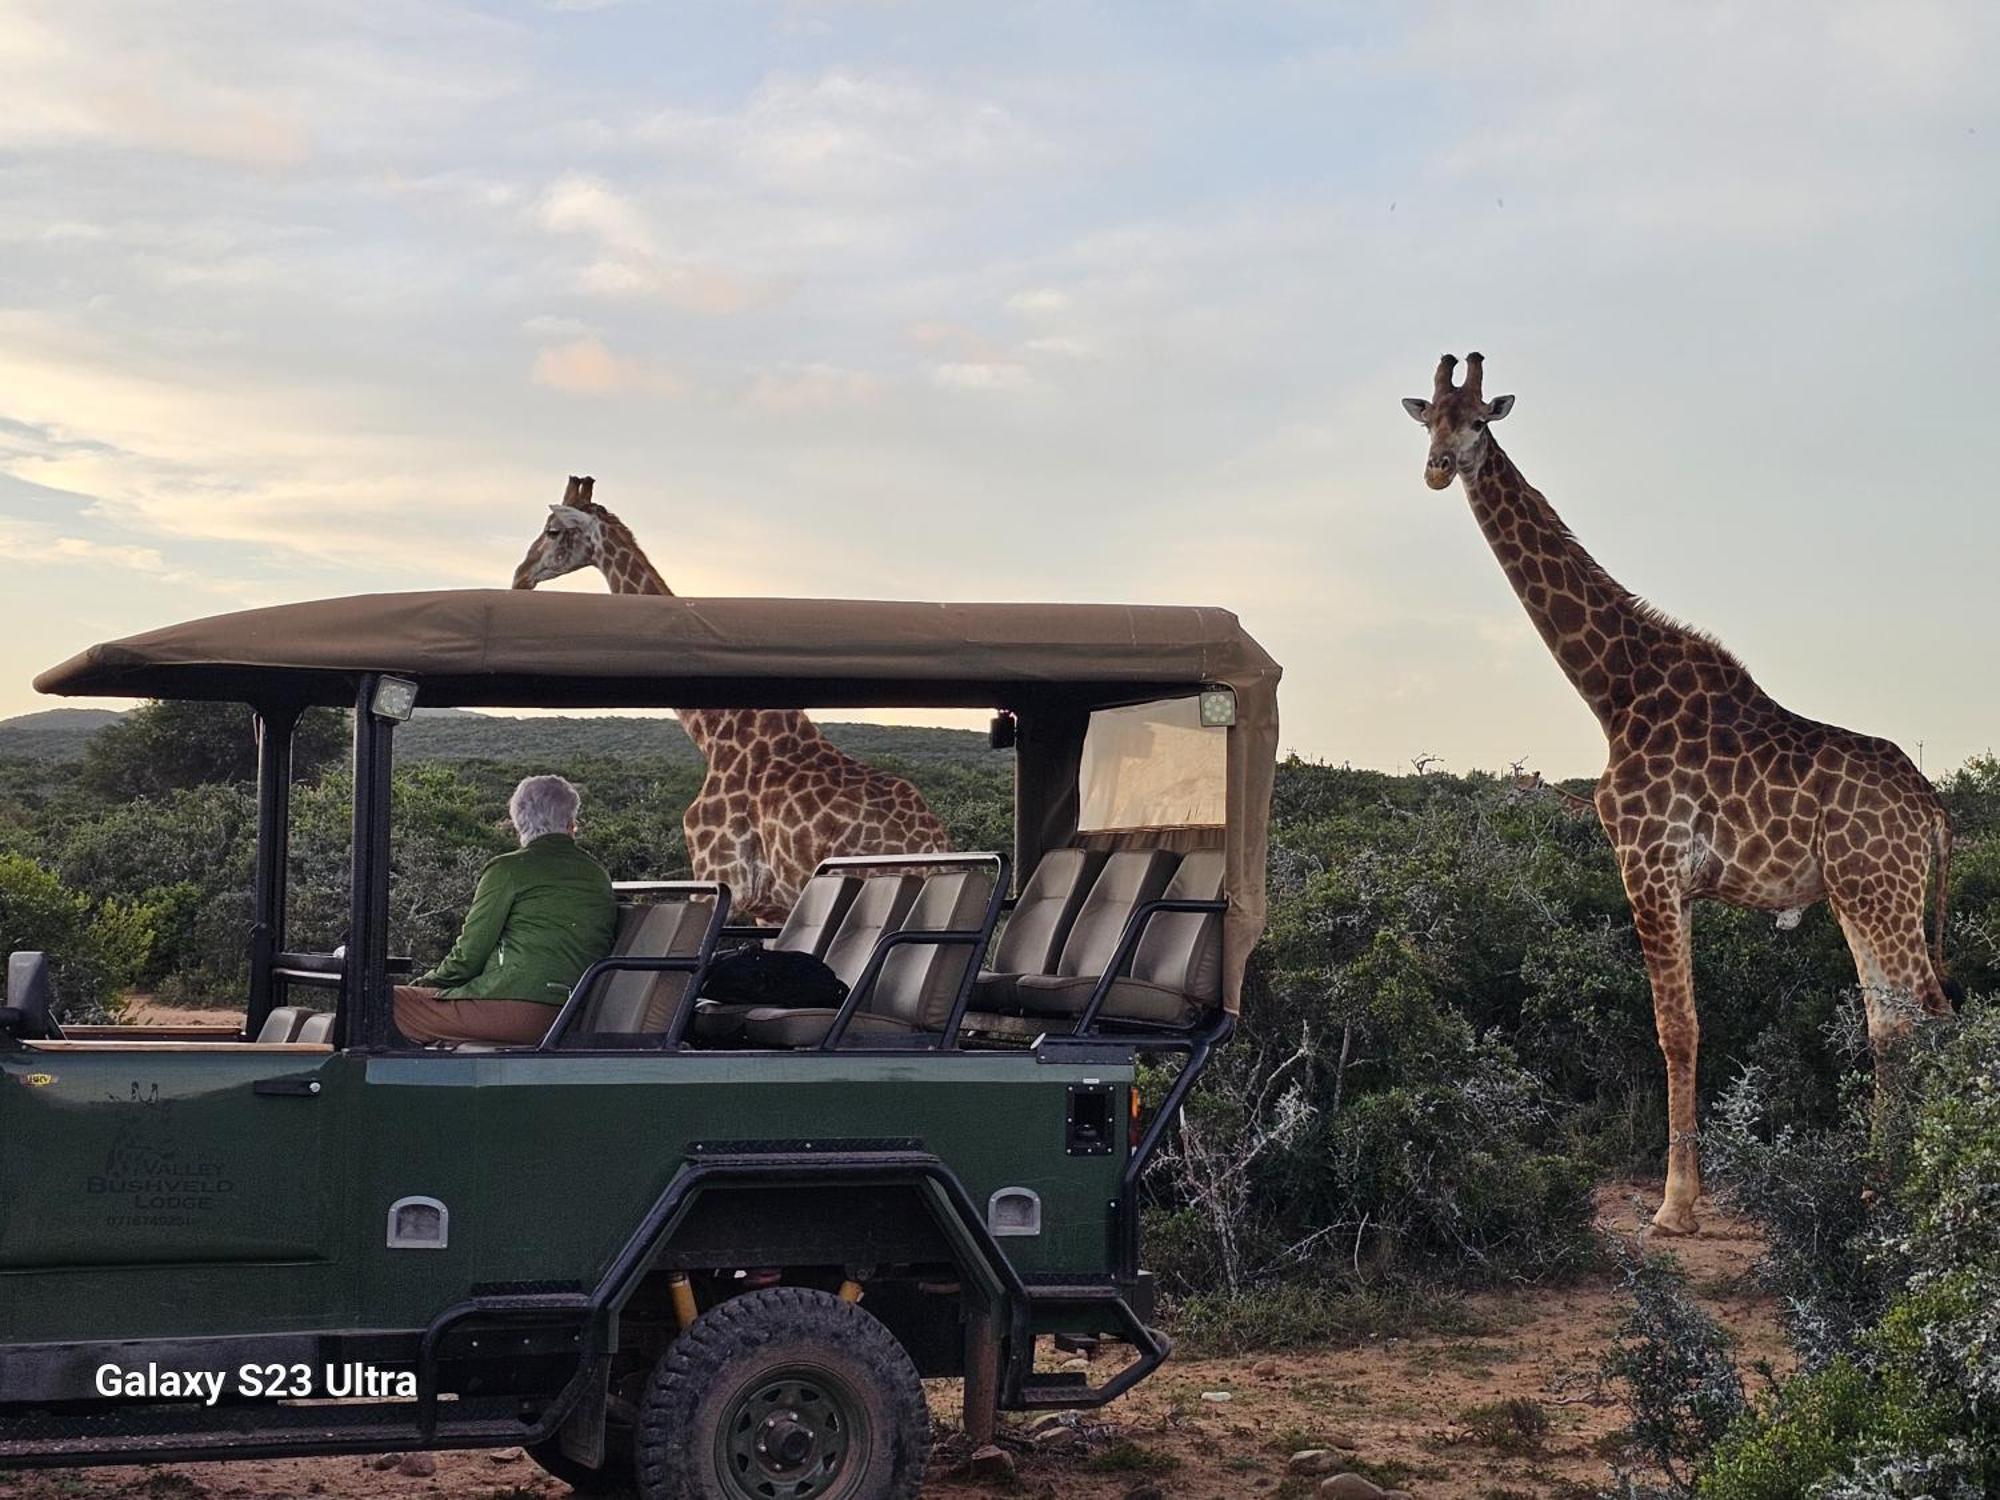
(1884, 1234)
(95, 948)
(1675, 1364)
(1792, 1442)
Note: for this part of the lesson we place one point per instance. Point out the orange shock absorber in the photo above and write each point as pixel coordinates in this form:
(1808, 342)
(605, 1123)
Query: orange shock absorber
(1133, 1143)
(682, 1291)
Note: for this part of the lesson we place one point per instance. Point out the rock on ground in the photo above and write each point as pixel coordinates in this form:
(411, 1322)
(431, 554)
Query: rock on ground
(992, 1462)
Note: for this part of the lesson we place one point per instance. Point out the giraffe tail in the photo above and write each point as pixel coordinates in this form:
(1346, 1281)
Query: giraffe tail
(1941, 918)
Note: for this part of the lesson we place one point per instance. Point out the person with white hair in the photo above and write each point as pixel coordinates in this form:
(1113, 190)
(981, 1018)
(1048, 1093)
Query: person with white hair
(540, 916)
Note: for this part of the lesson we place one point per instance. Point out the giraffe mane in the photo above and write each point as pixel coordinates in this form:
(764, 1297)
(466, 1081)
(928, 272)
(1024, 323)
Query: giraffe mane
(1653, 615)
(1644, 609)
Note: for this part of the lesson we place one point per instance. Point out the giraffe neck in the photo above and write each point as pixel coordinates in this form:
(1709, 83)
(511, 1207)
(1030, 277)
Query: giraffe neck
(1588, 620)
(627, 570)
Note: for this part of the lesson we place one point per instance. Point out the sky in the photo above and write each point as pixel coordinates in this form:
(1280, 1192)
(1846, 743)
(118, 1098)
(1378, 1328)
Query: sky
(1044, 301)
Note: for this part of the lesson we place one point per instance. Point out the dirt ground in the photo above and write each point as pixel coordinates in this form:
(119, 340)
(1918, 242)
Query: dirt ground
(1394, 1409)
(1400, 1403)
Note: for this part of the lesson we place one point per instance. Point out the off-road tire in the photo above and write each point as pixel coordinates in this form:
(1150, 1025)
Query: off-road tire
(616, 1476)
(824, 1375)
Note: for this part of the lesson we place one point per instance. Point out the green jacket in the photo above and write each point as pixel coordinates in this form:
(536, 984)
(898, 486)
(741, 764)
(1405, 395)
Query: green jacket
(541, 915)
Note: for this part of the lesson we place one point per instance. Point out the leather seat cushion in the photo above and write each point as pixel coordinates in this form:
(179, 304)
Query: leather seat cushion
(993, 991)
(1129, 999)
(771, 1026)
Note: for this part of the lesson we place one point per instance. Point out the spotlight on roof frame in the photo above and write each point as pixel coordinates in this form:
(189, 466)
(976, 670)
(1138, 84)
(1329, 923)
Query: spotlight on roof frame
(1218, 708)
(394, 698)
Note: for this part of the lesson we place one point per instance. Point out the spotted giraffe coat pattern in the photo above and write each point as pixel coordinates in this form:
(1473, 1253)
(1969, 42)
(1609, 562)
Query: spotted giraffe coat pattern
(779, 797)
(1712, 788)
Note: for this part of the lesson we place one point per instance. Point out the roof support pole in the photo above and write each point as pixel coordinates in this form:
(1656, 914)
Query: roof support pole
(274, 726)
(364, 987)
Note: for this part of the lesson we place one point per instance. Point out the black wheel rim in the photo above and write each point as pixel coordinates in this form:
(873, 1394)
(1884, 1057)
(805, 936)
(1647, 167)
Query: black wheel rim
(792, 1434)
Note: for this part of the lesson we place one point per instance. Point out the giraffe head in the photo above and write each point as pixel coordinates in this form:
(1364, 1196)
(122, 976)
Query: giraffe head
(1457, 417)
(572, 538)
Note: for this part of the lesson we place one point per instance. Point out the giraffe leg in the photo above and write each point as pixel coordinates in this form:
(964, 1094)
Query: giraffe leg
(1877, 892)
(1662, 923)
(1898, 981)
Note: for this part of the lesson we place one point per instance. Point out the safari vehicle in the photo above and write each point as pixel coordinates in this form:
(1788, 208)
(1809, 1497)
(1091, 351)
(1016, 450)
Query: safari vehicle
(703, 1253)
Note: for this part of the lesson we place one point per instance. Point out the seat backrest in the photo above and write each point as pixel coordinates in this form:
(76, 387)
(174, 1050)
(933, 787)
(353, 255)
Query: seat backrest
(1039, 924)
(815, 916)
(1129, 878)
(919, 981)
(636, 1001)
(1183, 950)
(283, 1023)
(879, 906)
(318, 1028)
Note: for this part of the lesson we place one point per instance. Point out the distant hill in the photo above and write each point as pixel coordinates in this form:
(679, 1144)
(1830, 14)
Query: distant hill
(52, 734)
(59, 734)
(560, 738)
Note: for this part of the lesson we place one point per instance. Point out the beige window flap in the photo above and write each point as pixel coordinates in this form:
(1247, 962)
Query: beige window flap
(1152, 765)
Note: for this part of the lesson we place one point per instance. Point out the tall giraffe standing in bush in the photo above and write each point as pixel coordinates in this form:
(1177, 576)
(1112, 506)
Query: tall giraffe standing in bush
(1712, 788)
(778, 797)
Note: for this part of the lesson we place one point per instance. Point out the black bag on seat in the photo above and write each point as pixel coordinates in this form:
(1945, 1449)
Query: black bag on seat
(773, 976)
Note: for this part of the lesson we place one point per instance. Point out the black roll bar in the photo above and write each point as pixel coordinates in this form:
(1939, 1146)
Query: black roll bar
(274, 726)
(364, 988)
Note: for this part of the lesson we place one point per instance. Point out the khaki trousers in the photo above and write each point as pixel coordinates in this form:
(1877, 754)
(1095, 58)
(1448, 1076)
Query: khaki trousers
(423, 1017)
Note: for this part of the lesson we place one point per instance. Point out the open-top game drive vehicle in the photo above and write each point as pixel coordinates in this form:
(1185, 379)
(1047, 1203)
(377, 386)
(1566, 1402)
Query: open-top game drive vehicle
(707, 1250)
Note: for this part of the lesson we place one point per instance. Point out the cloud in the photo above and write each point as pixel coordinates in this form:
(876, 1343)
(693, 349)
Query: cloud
(847, 133)
(64, 90)
(1039, 301)
(803, 388)
(630, 262)
(982, 377)
(1063, 346)
(239, 85)
(157, 452)
(585, 366)
(41, 544)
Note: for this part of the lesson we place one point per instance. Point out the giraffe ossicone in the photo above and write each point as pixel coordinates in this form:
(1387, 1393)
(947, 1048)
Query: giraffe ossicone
(779, 797)
(1712, 789)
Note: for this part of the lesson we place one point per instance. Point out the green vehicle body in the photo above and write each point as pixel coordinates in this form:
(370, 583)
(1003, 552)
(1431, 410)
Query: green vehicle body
(508, 1240)
(153, 1195)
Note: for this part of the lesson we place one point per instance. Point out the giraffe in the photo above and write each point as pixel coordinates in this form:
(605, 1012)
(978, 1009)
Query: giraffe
(1711, 790)
(778, 797)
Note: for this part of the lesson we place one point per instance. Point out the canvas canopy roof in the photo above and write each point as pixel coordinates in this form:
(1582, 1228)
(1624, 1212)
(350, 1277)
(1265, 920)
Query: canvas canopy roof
(1051, 663)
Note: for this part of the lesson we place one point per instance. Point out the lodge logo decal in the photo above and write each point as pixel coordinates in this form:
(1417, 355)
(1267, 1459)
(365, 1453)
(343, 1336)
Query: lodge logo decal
(149, 1180)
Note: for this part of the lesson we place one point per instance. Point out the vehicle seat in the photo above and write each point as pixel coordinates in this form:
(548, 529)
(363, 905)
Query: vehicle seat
(1176, 968)
(283, 1023)
(880, 904)
(1129, 879)
(918, 982)
(815, 917)
(635, 1002)
(318, 1028)
(1032, 941)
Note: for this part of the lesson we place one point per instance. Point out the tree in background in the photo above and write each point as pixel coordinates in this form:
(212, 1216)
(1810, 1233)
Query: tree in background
(96, 947)
(166, 746)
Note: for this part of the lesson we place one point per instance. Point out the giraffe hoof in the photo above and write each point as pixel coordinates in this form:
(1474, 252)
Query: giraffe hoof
(1674, 1221)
